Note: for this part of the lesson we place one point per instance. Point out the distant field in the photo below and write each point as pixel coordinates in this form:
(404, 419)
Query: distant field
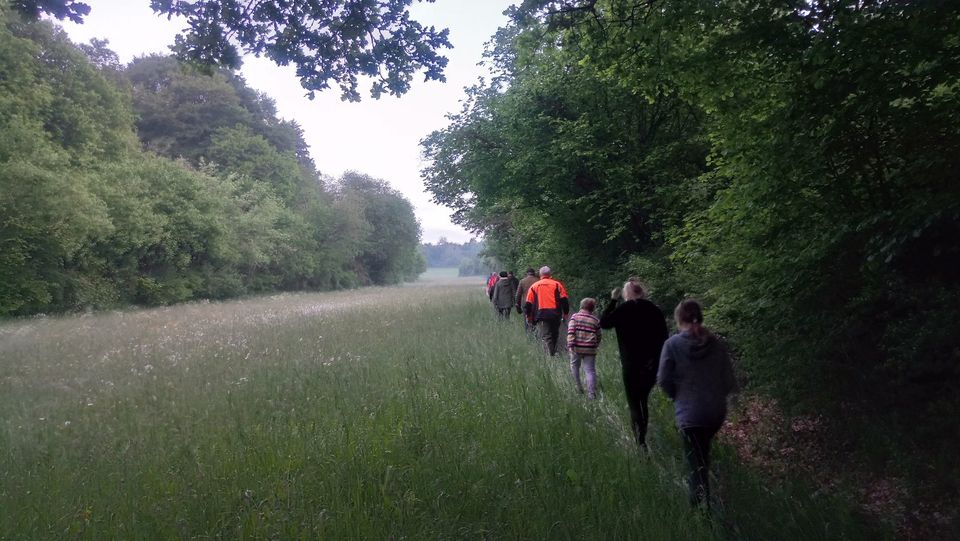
(382, 413)
(441, 273)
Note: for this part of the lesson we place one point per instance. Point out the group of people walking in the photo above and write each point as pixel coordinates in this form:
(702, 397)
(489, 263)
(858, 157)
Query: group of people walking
(692, 367)
(542, 300)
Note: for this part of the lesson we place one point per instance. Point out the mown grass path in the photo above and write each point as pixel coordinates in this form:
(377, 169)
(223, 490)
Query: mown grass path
(384, 413)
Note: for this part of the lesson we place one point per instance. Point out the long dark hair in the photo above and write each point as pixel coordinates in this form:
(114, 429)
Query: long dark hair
(690, 313)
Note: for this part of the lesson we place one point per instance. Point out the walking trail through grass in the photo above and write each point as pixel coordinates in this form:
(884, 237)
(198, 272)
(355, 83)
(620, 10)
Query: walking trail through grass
(382, 413)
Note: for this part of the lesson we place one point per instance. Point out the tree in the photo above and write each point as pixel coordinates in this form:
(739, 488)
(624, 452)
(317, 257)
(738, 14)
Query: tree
(231, 203)
(326, 40)
(100, 55)
(573, 153)
(61, 9)
(237, 150)
(58, 116)
(179, 109)
(390, 252)
(793, 164)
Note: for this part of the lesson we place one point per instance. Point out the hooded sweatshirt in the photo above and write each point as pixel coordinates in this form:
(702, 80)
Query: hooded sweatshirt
(502, 293)
(697, 375)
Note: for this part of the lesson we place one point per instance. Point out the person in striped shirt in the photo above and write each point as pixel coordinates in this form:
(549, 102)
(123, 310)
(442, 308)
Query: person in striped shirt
(583, 339)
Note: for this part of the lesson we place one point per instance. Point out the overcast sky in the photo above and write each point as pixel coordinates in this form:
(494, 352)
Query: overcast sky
(377, 137)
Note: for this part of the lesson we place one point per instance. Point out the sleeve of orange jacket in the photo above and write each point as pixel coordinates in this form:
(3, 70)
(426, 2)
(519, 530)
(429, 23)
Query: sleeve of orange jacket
(564, 300)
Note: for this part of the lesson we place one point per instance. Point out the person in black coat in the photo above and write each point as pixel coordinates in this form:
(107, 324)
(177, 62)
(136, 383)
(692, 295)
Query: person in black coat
(641, 331)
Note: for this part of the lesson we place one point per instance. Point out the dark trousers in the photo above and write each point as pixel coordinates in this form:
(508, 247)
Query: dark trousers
(549, 332)
(503, 313)
(696, 443)
(529, 326)
(638, 385)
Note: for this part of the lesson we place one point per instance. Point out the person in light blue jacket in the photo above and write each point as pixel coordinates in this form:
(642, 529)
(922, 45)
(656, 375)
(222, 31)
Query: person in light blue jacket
(696, 373)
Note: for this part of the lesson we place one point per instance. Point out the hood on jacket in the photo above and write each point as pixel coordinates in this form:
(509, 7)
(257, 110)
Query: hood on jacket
(700, 347)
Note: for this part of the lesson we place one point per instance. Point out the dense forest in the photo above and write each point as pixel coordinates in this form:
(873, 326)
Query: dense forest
(154, 182)
(793, 164)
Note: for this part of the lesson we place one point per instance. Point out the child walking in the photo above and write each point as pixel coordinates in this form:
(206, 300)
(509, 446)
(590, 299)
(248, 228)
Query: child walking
(583, 339)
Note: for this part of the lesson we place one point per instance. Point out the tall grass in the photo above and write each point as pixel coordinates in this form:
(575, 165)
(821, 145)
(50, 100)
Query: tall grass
(404, 413)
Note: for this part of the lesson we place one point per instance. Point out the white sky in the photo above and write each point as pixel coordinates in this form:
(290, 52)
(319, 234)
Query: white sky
(377, 137)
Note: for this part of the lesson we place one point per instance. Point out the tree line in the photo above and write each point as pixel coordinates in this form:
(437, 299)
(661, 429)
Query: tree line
(154, 183)
(469, 258)
(793, 164)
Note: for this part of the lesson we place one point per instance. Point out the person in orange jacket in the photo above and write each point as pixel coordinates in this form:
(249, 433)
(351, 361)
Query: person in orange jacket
(547, 305)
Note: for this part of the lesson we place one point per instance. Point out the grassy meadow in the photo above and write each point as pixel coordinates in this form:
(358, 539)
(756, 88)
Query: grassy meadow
(382, 413)
(435, 274)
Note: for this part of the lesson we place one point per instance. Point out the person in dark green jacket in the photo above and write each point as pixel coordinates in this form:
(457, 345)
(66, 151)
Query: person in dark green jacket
(521, 297)
(501, 294)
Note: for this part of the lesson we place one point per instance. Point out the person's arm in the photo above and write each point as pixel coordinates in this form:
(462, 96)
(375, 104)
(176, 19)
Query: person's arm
(666, 375)
(518, 298)
(564, 301)
(528, 305)
(609, 317)
(571, 333)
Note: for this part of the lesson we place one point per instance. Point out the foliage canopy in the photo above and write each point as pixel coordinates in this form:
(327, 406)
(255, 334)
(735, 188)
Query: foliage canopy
(224, 201)
(325, 40)
(793, 164)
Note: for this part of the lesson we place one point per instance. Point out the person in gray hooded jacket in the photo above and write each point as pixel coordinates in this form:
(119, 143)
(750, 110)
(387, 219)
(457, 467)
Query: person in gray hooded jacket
(501, 294)
(696, 373)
